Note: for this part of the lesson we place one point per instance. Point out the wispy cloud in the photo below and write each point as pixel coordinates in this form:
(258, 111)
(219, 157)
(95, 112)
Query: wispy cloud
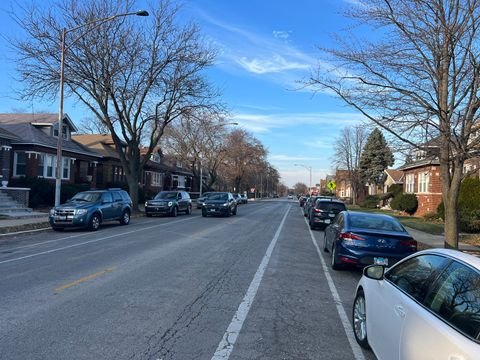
(275, 64)
(280, 34)
(282, 157)
(264, 123)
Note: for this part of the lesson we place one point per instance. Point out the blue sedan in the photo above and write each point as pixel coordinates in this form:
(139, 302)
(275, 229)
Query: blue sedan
(361, 239)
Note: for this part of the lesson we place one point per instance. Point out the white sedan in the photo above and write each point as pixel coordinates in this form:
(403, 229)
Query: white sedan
(427, 306)
(290, 197)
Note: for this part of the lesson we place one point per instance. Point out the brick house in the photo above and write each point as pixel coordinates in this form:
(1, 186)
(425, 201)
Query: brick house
(392, 177)
(343, 190)
(34, 149)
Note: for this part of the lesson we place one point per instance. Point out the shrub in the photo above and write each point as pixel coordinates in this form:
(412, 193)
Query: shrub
(431, 216)
(42, 191)
(405, 202)
(370, 202)
(395, 189)
(468, 206)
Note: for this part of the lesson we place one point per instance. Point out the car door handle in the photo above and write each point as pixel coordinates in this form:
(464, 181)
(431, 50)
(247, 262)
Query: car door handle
(400, 311)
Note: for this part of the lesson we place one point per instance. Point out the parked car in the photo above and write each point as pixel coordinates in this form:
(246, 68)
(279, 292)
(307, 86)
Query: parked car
(244, 199)
(308, 205)
(426, 306)
(360, 239)
(169, 203)
(201, 199)
(302, 200)
(290, 197)
(238, 198)
(219, 203)
(323, 212)
(91, 208)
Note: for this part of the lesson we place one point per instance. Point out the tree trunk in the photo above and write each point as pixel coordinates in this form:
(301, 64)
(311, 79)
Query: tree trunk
(451, 222)
(133, 190)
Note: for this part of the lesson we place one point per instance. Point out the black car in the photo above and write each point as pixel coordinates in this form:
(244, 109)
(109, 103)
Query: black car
(91, 208)
(219, 203)
(238, 198)
(361, 239)
(169, 203)
(323, 212)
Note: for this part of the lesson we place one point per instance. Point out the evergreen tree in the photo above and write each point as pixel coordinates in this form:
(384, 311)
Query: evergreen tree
(376, 157)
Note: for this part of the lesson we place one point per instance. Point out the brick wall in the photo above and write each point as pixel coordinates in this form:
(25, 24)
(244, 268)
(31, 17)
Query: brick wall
(427, 201)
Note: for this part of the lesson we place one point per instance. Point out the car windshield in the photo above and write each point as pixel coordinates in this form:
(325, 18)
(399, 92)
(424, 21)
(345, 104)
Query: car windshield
(331, 206)
(375, 223)
(217, 196)
(166, 195)
(86, 197)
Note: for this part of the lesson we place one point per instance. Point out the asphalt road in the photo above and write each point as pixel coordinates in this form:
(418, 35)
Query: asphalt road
(252, 286)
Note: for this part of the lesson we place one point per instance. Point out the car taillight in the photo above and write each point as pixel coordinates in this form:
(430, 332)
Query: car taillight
(409, 243)
(318, 210)
(350, 236)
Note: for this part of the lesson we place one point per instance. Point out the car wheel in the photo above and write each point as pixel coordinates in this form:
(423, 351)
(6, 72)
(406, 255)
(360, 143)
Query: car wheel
(94, 223)
(325, 248)
(125, 219)
(335, 265)
(174, 211)
(312, 225)
(204, 213)
(359, 320)
(189, 210)
(149, 215)
(229, 212)
(235, 211)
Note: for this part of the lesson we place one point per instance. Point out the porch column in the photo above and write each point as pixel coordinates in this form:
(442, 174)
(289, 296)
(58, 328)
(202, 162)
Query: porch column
(6, 155)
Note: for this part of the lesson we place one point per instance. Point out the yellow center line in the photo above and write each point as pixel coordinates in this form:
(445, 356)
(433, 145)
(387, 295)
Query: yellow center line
(83, 279)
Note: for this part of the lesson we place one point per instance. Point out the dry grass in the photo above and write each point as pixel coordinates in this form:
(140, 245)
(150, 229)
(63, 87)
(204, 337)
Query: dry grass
(471, 239)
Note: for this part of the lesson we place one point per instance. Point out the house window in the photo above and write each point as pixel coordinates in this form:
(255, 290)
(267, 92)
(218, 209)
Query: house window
(410, 183)
(41, 164)
(65, 168)
(19, 163)
(118, 174)
(156, 179)
(423, 182)
(64, 131)
(49, 166)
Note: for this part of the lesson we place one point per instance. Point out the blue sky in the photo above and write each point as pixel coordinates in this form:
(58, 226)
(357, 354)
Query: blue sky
(265, 49)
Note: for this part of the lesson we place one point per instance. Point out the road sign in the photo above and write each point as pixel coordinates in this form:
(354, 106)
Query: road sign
(331, 185)
(252, 189)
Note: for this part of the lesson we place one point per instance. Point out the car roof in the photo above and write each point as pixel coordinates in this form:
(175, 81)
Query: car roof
(470, 259)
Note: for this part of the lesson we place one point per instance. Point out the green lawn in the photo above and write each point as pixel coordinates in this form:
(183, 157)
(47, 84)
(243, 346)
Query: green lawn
(417, 223)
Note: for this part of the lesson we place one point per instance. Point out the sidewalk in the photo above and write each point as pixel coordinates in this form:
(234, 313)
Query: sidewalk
(437, 241)
(14, 225)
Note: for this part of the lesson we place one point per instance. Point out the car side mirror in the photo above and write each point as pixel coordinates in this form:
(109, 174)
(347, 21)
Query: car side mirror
(375, 272)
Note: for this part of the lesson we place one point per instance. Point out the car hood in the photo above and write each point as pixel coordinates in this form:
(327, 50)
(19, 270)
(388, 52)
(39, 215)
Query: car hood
(75, 205)
(161, 201)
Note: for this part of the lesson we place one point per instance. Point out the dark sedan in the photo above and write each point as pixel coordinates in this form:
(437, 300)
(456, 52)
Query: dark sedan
(219, 203)
(324, 212)
(361, 239)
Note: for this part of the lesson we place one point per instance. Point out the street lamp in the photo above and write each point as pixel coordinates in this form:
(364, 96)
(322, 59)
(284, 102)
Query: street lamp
(308, 168)
(58, 175)
(201, 167)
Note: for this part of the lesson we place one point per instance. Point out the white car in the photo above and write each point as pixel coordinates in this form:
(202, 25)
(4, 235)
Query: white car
(290, 197)
(426, 306)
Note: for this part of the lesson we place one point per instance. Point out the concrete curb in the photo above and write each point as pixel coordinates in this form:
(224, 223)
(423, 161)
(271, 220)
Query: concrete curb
(25, 227)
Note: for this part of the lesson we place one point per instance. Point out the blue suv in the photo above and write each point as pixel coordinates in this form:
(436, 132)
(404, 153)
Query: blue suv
(90, 208)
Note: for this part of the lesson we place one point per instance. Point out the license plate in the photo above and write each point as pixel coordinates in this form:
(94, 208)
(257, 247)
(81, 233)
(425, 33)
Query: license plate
(326, 221)
(60, 218)
(331, 215)
(212, 210)
(380, 261)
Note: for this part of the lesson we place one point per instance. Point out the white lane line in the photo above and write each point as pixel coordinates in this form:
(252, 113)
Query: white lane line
(88, 233)
(93, 241)
(357, 352)
(225, 347)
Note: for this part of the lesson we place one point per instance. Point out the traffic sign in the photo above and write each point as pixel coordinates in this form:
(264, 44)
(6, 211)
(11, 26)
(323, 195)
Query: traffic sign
(331, 185)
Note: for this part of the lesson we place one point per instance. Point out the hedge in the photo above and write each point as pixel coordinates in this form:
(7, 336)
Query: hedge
(370, 202)
(405, 202)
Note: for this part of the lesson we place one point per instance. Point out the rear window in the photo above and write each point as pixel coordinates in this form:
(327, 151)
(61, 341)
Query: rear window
(375, 223)
(331, 206)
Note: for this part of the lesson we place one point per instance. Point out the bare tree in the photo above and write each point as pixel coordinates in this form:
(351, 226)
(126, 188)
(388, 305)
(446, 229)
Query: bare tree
(418, 79)
(348, 149)
(135, 75)
(300, 188)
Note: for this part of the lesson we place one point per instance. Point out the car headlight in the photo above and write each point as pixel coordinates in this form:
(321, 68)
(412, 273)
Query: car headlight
(170, 203)
(226, 204)
(52, 212)
(81, 211)
(146, 203)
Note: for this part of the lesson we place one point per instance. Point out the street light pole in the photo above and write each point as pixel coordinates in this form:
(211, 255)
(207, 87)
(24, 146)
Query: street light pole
(58, 168)
(309, 168)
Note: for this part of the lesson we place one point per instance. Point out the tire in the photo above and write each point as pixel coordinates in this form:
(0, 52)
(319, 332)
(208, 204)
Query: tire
(125, 219)
(235, 211)
(189, 210)
(312, 226)
(94, 222)
(334, 264)
(204, 213)
(229, 212)
(57, 228)
(174, 211)
(149, 215)
(359, 320)
(325, 248)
